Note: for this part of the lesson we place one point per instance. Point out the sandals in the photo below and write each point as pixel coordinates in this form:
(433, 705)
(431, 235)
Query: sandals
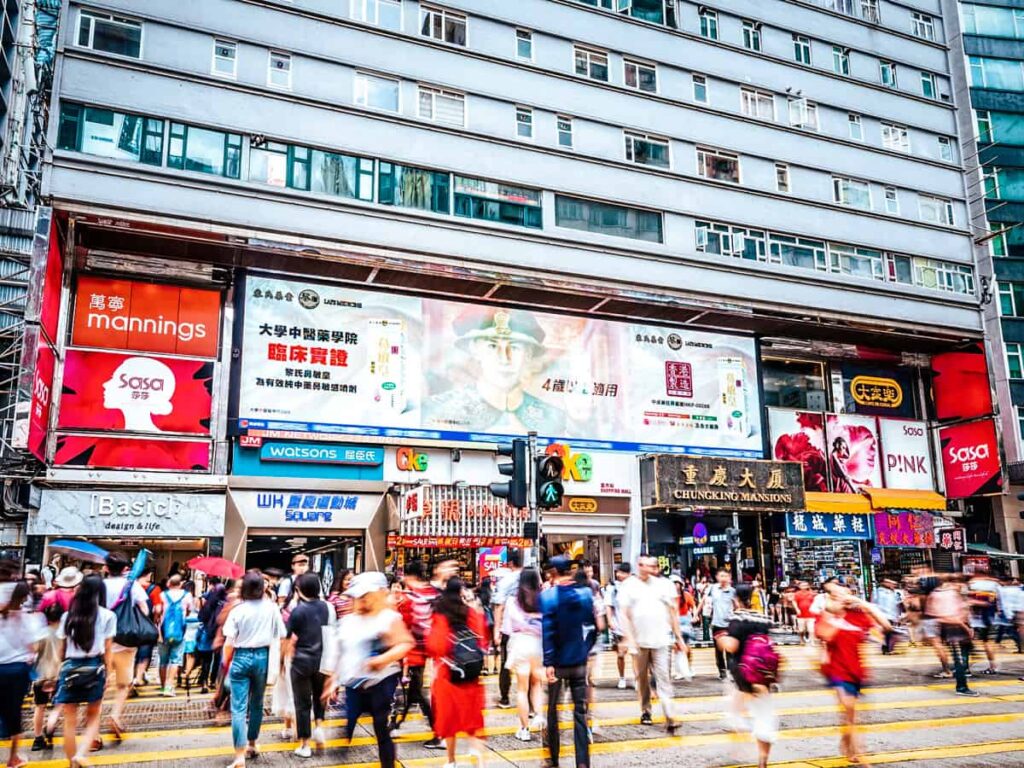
(117, 729)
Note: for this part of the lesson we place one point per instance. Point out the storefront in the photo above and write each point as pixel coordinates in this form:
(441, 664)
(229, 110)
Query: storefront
(831, 537)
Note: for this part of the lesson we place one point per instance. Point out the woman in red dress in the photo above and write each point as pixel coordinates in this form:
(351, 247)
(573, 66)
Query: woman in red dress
(458, 707)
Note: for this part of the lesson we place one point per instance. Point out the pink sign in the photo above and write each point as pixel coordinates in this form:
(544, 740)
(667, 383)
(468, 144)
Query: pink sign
(904, 529)
(678, 379)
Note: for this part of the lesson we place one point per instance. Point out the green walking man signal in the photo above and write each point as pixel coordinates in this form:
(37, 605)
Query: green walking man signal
(549, 481)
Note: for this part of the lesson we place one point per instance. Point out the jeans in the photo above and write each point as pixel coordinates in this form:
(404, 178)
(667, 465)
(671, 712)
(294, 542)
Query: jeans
(575, 679)
(959, 644)
(415, 695)
(504, 675)
(208, 663)
(307, 687)
(248, 680)
(656, 660)
(706, 625)
(376, 699)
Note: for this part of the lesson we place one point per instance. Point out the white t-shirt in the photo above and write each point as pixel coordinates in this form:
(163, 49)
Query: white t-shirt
(18, 632)
(359, 638)
(507, 586)
(106, 627)
(647, 604)
(115, 586)
(254, 624)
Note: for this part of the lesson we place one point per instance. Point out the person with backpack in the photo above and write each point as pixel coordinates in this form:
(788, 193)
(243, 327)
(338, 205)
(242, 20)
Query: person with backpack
(568, 634)
(144, 653)
(122, 658)
(417, 608)
(207, 657)
(178, 606)
(457, 643)
(754, 665)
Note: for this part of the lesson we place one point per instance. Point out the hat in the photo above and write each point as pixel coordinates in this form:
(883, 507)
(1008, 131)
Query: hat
(365, 583)
(676, 578)
(489, 323)
(68, 577)
(561, 564)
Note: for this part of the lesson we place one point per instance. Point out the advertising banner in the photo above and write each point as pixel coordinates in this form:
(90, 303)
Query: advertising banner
(334, 360)
(906, 454)
(35, 393)
(874, 391)
(854, 459)
(828, 525)
(800, 436)
(904, 529)
(129, 513)
(711, 483)
(132, 453)
(145, 317)
(252, 462)
(960, 385)
(42, 303)
(135, 393)
(970, 459)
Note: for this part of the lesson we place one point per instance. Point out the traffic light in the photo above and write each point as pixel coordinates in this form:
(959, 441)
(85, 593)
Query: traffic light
(517, 488)
(549, 481)
(732, 538)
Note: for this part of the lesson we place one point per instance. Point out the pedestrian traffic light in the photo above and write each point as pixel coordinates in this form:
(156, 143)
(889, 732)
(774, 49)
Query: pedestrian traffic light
(732, 538)
(549, 481)
(516, 489)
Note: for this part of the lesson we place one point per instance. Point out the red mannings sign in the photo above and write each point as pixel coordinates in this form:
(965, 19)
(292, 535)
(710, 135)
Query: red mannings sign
(970, 459)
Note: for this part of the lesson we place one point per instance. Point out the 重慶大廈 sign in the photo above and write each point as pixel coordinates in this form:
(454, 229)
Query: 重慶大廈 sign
(828, 525)
(717, 483)
(124, 513)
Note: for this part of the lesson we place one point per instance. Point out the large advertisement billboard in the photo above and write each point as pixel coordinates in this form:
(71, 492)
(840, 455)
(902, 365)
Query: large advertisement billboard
(906, 454)
(960, 384)
(970, 459)
(132, 453)
(331, 360)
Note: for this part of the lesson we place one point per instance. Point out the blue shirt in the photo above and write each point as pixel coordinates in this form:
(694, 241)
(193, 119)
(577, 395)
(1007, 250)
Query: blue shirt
(567, 616)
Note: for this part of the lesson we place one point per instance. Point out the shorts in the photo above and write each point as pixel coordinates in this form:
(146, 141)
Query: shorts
(121, 668)
(619, 642)
(144, 654)
(523, 651)
(805, 625)
(982, 633)
(89, 695)
(848, 687)
(42, 692)
(930, 628)
(172, 654)
(14, 680)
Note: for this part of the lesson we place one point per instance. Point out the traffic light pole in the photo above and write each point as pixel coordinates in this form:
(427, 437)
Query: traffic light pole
(531, 495)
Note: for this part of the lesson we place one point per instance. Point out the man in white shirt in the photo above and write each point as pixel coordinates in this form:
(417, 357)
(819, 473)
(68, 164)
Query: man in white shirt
(649, 615)
(507, 586)
(286, 592)
(122, 666)
(178, 606)
(623, 573)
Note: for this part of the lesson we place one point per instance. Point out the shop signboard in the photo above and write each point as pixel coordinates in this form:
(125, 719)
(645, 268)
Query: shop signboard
(800, 436)
(972, 564)
(904, 528)
(457, 542)
(828, 525)
(132, 453)
(145, 317)
(127, 513)
(117, 392)
(333, 361)
(854, 458)
(906, 454)
(305, 511)
(960, 385)
(490, 559)
(876, 391)
(951, 540)
(713, 483)
(327, 461)
(970, 459)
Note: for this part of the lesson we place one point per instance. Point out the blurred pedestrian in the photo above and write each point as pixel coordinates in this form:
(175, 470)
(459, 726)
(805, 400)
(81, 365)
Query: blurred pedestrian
(525, 650)
(888, 601)
(305, 647)
(154, 602)
(337, 598)
(178, 606)
(20, 633)
(508, 583)
(417, 608)
(623, 572)
(45, 674)
(947, 606)
(62, 590)
(681, 667)
(122, 658)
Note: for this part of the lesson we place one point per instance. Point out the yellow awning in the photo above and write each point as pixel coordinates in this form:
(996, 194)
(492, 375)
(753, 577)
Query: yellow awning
(892, 498)
(837, 502)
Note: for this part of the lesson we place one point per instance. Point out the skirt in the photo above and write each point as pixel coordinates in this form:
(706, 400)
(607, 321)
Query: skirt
(81, 695)
(523, 650)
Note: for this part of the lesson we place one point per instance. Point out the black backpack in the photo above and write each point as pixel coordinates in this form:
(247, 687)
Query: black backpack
(466, 660)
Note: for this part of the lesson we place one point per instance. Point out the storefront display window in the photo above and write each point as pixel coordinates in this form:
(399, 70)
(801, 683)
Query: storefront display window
(794, 384)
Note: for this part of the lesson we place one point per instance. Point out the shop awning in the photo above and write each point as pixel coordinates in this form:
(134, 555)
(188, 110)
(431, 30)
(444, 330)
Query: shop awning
(851, 503)
(893, 498)
(985, 549)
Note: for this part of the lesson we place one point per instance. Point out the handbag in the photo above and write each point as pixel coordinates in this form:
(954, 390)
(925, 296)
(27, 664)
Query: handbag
(83, 677)
(134, 628)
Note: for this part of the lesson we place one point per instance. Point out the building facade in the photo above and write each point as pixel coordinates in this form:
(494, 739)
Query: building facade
(658, 219)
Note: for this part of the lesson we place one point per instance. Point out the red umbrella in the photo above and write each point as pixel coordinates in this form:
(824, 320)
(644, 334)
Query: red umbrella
(216, 566)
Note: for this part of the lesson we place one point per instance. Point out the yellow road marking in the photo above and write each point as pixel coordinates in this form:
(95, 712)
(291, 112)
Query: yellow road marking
(909, 755)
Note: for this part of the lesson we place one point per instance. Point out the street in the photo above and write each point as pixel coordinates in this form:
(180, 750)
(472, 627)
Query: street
(910, 719)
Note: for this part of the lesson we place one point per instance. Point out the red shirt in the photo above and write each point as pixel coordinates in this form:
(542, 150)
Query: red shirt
(803, 599)
(844, 649)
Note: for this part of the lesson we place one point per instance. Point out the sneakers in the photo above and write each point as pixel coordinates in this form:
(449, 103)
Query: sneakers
(622, 684)
(943, 675)
(523, 734)
(969, 693)
(434, 743)
(168, 692)
(286, 734)
(504, 704)
(990, 671)
(303, 751)
(538, 722)
(39, 744)
(595, 728)
(646, 719)
(319, 739)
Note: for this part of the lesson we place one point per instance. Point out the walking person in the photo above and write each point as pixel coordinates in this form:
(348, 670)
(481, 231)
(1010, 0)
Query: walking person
(250, 629)
(722, 597)
(87, 630)
(681, 662)
(45, 674)
(285, 590)
(650, 612)
(803, 599)
(144, 653)
(888, 601)
(122, 659)
(947, 606)
(305, 632)
(208, 654)
(20, 633)
(177, 607)
(457, 644)
(508, 583)
(372, 642)
(526, 651)
(341, 602)
(623, 572)
(568, 634)
(417, 608)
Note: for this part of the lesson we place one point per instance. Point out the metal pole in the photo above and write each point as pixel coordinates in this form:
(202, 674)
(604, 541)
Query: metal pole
(739, 546)
(531, 493)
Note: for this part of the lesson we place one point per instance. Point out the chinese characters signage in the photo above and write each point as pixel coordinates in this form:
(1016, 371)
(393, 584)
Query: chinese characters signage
(306, 511)
(713, 483)
(904, 529)
(307, 507)
(951, 540)
(334, 360)
(878, 391)
(828, 525)
(457, 542)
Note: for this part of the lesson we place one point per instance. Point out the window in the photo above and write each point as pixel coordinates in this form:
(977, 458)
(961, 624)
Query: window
(887, 74)
(757, 104)
(892, 202)
(1000, 74)
(725, 240)
(709, 24)
(524, 44)
(895, 137)
(793, 383)
(225, 58)
(647, 150)
(564, 127)
(803, 114)
(590, 63)
(852, 192)
(856, 129)
(936, 210)
(1020, 420)
(524, 122)
(802, 49)
(984, 120)
(341, 175)
(418, 188)
(205, 151)
(990, 181)
(841, 60)
(278, 165)
(382, 13)
(492, 201)
(869, 10)
(944, 276)
(116, 135)
(752, 35)
(782, 177)
(279, 72)
(797, 252)
(718, 165)
(928, 89)
(442, 106)
(858, 262)
(1011, 299)
(899, 269)
(642, 77)
(376, 92)
(110, 34)
(1015, 360)
(945, 149)
(992, 21)
(700, 89)
(444, 25)
(608, 219)
(923, 26)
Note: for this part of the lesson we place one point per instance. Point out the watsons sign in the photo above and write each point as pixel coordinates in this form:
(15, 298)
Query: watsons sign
(85, 513)
(313, 453)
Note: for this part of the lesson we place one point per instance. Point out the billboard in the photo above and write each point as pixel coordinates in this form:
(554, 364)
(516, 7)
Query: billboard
(132, 453)
(331, 360)
(960, 385)
(145, 317)
(970, 459)
(135, 393)
(906, 454)
(800, 436)
(875, 391)
(854, 460)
